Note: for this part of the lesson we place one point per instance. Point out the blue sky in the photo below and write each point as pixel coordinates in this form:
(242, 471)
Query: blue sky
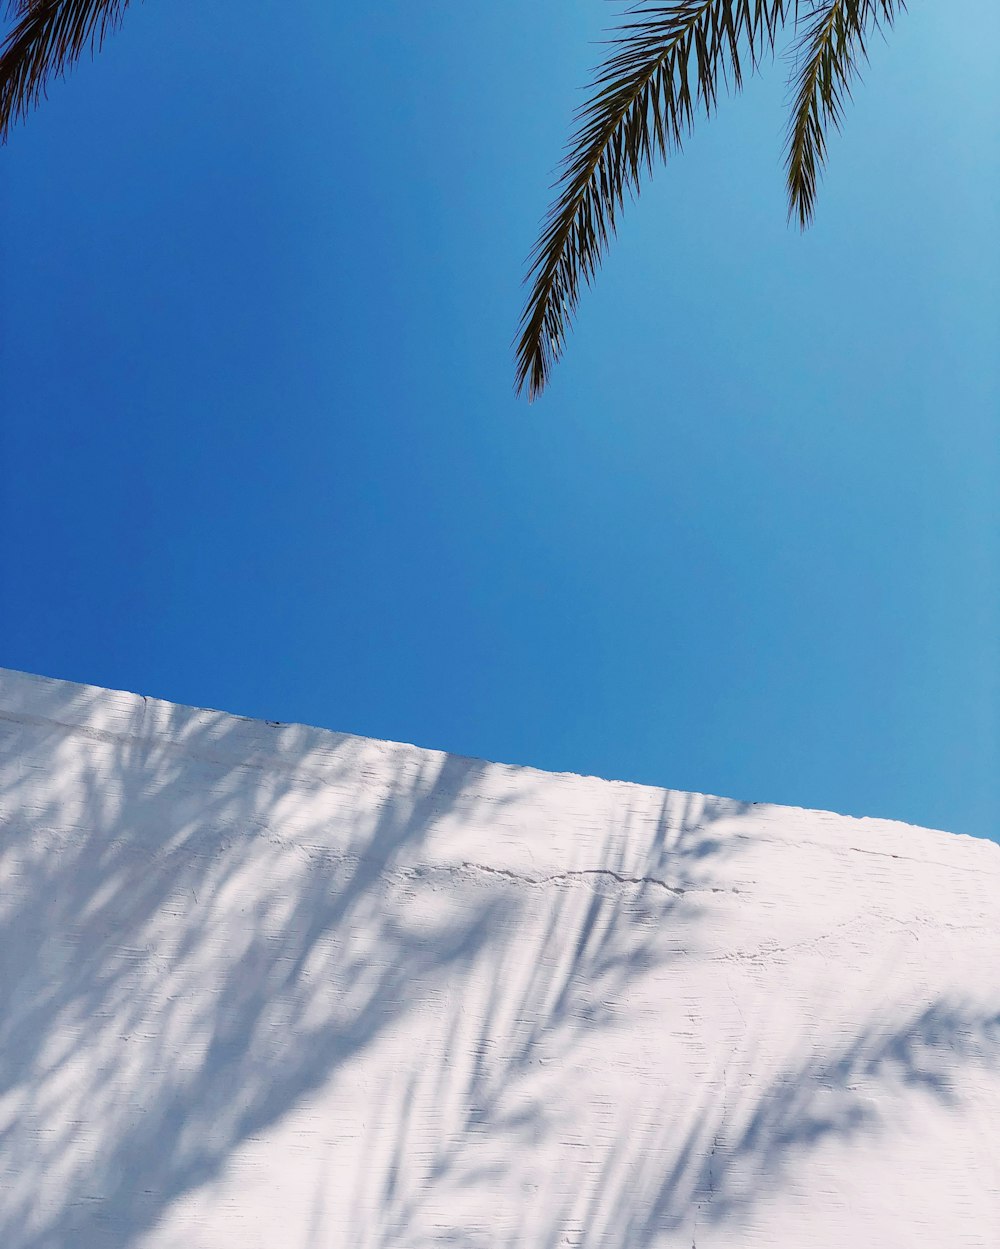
(259, 448)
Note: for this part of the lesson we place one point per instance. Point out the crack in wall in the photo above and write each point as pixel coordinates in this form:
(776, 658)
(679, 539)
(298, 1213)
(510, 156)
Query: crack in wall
(584, 873)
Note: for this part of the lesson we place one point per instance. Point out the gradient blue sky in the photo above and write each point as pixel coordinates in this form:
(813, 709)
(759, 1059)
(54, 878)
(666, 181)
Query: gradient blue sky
(260, 451)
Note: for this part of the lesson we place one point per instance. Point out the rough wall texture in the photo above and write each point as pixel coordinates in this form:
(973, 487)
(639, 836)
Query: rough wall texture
(267, 987)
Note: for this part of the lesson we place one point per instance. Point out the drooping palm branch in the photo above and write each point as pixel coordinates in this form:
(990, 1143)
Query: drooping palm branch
(668, 60)
(833, 42)
(44, 40)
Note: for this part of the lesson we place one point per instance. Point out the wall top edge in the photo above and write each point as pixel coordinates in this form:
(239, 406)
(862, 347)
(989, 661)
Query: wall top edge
(93, 711)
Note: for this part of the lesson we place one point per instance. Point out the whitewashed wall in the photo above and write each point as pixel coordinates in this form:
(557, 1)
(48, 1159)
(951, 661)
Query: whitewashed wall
(267, 986)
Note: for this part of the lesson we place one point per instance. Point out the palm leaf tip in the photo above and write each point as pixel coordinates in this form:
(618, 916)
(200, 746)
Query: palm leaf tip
(666, 62)
(547, 317)
(45, 39)
(826, 61)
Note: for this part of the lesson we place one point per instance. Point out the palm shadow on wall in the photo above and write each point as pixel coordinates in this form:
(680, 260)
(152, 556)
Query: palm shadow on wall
(176, 975)
(677, 1171)
(718, 1176)
(540, 1000)
(192, 954)
(672, 1178)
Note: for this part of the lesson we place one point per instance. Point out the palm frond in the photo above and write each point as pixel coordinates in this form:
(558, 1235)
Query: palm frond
(46, 38)
(667, 61)
(826, 59)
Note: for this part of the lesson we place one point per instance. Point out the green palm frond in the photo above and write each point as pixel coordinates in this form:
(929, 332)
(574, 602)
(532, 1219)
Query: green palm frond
(668, 61)
(46, 37)
(827, 56)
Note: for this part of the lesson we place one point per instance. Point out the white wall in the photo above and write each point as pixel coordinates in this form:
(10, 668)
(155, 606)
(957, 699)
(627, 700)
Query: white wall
(266, 986)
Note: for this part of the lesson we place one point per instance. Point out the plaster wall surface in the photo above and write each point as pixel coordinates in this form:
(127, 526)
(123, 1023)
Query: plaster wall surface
(268, 986)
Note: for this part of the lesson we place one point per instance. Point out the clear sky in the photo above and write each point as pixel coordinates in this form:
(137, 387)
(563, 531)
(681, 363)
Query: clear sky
(259, 448)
